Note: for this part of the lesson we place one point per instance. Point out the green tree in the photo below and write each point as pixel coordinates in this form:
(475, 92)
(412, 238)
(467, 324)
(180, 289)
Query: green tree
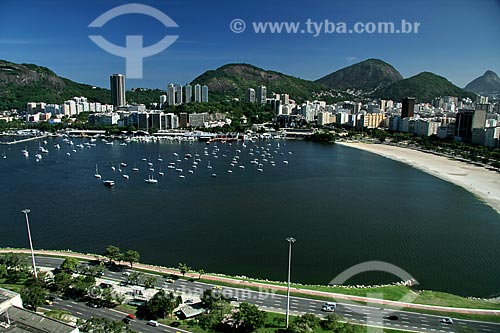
(331, 322)
(212, 299)
(161, 304)
(112, 253)
(305, 323)
(134, 278)
(33, 295)
(3, 271)
(102, 325)
(81, 285)
(150, 281)
(249, 317)
(183, 268)
(62, 281)
(210, 321)
(201, 271)
(111, 298)
(69, 265)
(131, 257)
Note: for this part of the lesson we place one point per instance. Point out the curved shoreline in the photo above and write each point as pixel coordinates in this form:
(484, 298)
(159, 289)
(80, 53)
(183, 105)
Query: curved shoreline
(266, 287)
(483, 183)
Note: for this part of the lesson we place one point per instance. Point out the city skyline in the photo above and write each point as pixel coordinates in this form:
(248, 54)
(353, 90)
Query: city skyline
(440, 45)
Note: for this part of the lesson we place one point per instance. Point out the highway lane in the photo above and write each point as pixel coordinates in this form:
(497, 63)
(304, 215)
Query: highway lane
(80, 310)
(354, 313)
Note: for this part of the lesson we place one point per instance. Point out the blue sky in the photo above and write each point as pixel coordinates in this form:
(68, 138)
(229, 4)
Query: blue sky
(457, 39)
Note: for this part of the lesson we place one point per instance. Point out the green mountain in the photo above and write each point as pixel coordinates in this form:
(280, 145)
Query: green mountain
(424, 87)
(367, 75)
(22, 83)
(233, 80)
(489, 83)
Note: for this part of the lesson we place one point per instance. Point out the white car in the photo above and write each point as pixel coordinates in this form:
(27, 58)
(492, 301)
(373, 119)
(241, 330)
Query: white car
(446, 320)
(152, 323)
(329, 307)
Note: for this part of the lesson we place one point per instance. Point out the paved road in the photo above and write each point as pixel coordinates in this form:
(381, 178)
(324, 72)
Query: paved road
(374, 316)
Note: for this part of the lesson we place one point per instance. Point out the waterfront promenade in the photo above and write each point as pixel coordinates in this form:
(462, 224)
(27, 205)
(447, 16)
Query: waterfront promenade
(267, 287)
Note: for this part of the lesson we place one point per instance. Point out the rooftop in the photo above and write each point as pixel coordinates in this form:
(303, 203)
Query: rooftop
(18, 320)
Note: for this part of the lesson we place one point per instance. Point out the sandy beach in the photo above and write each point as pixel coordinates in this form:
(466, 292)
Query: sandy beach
(483, 183)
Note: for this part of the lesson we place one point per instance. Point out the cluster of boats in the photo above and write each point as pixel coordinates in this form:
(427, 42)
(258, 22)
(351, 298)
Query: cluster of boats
(254, 154)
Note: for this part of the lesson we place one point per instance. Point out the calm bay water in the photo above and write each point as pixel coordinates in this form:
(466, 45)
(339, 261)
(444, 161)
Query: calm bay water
(343, 206)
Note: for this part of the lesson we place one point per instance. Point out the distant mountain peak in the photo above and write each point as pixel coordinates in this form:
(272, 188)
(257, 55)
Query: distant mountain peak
(232, 80)
(488, 83)
(424, 86)
(367, 75)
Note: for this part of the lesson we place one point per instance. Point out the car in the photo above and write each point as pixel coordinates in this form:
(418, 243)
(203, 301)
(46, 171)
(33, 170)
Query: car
(48, 302)
(126, 273)
(169, 281)
(216, 288)
(152, 323)
(92, 305)
(233, 299)
(392, 317)
(126, 320)
(131, 316)
(446, 320)
(329, 307)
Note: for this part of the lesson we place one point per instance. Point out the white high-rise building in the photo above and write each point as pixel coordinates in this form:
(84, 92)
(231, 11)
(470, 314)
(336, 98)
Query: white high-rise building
(251, 95)
(163, 100)
(188, 92)
(261, 94)
(204, 94)
(171, 94)
(197, 93)
(178, 94)
(285, 99)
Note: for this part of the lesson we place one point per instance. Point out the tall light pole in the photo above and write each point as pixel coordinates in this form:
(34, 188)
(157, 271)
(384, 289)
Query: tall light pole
(290, 240)
(26, 211)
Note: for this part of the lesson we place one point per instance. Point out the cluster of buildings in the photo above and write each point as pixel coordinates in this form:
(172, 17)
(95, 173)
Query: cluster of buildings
(121, 114)
(41, 111)
(476, 122)
(142, 119)
(177, 94)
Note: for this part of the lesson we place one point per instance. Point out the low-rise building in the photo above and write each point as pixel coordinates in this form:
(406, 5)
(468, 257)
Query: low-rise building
(15, 319)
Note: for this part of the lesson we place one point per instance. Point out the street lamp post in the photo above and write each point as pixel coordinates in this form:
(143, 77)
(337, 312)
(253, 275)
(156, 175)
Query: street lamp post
(26, 211)
(290, 240)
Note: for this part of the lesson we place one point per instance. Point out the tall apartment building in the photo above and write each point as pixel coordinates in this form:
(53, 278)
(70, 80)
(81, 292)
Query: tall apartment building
(117, 85)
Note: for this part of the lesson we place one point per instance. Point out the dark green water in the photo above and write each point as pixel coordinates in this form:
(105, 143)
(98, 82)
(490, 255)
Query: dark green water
(343, 206)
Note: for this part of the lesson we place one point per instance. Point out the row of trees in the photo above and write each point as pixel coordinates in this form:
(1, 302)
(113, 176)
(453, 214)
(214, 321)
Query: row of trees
(113, 253)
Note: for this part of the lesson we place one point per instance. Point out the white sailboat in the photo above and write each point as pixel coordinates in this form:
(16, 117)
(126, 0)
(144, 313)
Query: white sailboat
(97, 175)
(151, 180)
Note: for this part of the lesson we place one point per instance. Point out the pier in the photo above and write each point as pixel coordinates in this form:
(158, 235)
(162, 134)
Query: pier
(23, 140)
